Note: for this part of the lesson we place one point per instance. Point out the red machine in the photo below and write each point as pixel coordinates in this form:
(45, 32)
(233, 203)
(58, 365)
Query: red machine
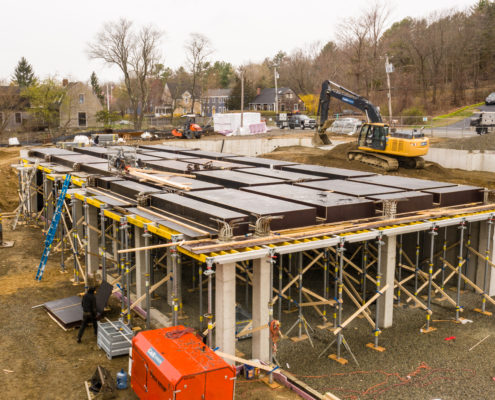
(174, 364)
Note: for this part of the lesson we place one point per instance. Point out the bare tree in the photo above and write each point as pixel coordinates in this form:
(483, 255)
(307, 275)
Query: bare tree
(198, 50)
(135, 53)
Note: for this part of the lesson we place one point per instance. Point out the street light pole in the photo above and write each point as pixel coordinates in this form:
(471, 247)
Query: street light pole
(242, 99)
(388, 69)
(276, 88)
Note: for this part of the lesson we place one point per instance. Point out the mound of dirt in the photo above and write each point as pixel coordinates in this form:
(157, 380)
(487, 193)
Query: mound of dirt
(337, 157)
(478, 142)
(9, 181)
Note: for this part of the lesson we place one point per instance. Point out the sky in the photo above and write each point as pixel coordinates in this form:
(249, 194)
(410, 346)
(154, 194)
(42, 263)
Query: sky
(53, 35)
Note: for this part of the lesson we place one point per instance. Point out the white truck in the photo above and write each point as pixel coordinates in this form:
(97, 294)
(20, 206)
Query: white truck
(484, 122)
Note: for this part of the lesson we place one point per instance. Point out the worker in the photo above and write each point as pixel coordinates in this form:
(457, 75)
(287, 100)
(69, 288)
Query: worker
(96, 140)
(88, 303)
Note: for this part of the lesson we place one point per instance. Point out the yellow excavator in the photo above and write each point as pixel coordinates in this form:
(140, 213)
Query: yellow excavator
(378, 144)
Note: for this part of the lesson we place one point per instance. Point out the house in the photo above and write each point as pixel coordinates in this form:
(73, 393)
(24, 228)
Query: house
(288, 100)
(13, 109)
(215, 101)
(177, 100)
(79, 106)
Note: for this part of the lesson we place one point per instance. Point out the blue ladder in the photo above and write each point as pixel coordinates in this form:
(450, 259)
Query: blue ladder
(53, 227)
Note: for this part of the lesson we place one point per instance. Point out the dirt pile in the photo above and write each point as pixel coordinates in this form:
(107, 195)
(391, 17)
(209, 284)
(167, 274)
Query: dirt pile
(478, 142)
(8, 179)
(337, 157)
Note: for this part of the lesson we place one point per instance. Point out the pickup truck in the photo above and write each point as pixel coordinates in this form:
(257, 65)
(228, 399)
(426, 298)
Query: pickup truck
(295, 121)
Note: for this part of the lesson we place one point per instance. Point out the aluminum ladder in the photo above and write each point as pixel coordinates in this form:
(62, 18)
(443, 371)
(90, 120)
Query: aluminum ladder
(53, 227)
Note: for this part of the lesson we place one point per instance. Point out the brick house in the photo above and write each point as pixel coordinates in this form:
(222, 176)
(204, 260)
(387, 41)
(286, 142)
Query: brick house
(215, 101)
(79, 106)
(288, 100)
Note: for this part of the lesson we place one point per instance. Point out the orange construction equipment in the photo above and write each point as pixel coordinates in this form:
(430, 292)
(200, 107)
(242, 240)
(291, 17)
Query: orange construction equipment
(174, 364)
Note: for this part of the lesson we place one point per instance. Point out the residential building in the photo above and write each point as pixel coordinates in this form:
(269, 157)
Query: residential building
(215, 101)
(13, 109)
(79, 106)
(178, 100)
(288, 100)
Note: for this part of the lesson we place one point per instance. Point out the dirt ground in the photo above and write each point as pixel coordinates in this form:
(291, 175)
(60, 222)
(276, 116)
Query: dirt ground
(38, 360)
(478, 142)
(337, 157)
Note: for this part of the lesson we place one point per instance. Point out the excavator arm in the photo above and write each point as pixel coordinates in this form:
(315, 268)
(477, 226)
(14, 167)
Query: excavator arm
(346, 96)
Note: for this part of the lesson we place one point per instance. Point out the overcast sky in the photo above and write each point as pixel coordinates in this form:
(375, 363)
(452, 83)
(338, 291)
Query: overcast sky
(53, 34)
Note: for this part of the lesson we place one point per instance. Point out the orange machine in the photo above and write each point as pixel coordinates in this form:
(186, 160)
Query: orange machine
(174, 364)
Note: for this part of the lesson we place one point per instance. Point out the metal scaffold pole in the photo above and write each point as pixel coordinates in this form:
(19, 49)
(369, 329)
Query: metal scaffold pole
(325, 284)
(209, 316)
(122, 265)
(103, 245)
(127, 273)
(379, 243)
(86, 243)
(200, 281)
(364, 268)
(416, 266)
(399, 270)
(487, 266)
(74, 238)
(462, 228)
(147, 263)
(340, 300)
(444, 256)
(175, 300)
(433, 232)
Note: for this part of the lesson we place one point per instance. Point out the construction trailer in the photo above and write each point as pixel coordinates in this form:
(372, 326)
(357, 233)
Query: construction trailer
(238, 236)
(174, 364)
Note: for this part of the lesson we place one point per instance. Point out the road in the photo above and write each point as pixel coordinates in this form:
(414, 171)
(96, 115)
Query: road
(459, 129)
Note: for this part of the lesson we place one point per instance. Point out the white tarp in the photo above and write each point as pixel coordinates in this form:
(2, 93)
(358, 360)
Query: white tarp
(230, 124)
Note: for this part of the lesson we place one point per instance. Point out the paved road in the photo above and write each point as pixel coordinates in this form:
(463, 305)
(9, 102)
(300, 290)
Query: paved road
(459, 129)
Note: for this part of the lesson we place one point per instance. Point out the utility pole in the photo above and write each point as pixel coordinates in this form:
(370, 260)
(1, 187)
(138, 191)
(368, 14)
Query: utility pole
(242, 98)
(108, 100)
(276, 88)
(389, 68)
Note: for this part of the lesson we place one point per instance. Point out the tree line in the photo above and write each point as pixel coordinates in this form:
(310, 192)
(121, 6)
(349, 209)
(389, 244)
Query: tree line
(441, 61)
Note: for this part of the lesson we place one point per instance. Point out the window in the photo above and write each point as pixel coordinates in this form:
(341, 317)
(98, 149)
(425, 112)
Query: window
(81, 99)
(81, 119)
(296, 107)
(282, 107)
(18, 118)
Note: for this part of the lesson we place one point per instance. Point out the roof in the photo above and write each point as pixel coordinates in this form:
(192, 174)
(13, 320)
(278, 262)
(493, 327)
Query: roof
(10, 98)
(267, 96)
(218, 92)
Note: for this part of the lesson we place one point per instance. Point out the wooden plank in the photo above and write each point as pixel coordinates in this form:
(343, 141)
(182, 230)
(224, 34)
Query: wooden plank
(155, 246)
(360, 310)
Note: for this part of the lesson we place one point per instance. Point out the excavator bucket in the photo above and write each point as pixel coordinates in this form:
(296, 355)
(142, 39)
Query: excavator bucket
(324, 138)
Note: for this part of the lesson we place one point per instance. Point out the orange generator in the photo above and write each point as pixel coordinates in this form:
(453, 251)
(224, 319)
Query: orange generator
(174, 364)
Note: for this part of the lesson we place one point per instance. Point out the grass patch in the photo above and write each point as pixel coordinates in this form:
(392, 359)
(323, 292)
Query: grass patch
(465, 112)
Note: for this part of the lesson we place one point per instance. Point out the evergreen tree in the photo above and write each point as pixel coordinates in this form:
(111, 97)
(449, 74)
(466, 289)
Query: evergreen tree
(23, 74)
(96, 88)
(234, 100)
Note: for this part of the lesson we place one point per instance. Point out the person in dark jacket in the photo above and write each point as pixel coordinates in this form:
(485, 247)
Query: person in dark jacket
(88, 303)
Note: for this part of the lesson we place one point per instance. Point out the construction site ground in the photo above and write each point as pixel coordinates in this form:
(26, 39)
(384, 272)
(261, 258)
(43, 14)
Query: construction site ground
(40, 360)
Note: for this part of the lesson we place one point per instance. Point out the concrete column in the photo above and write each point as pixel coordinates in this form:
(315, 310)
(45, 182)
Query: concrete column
(386, 301)
(261, 298)
(140, 262)
(79, 215)
(480, 270)
(93, 242)
(225, 308)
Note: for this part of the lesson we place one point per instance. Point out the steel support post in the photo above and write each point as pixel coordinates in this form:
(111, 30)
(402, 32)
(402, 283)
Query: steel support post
(103, 244)
(280, 284)
(86, 243)
(147, 257)
(340, 285)
(209, 316)
(122, 222)
(444, 256)
(271, 260)
(379, 243)
(200, 281)
(399, 269)
(325, 283)
(462, 228)
(364, 270)
(416, 265)
(335, 287)
(487, 265)
(74, 239)
(175, 299)
(433, 232)
(127, 273)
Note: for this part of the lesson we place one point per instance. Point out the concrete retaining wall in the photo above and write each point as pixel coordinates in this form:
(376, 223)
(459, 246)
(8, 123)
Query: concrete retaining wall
(247, 146)
(474, 160)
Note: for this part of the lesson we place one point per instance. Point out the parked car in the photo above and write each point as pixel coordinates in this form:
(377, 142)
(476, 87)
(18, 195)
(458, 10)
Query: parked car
(301, 121)
(490, 99)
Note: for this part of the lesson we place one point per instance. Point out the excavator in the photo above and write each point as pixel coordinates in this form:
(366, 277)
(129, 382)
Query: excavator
(378, 144)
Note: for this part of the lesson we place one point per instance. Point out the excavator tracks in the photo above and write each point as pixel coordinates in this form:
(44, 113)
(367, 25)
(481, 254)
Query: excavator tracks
(376, 160)
(384, 162)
